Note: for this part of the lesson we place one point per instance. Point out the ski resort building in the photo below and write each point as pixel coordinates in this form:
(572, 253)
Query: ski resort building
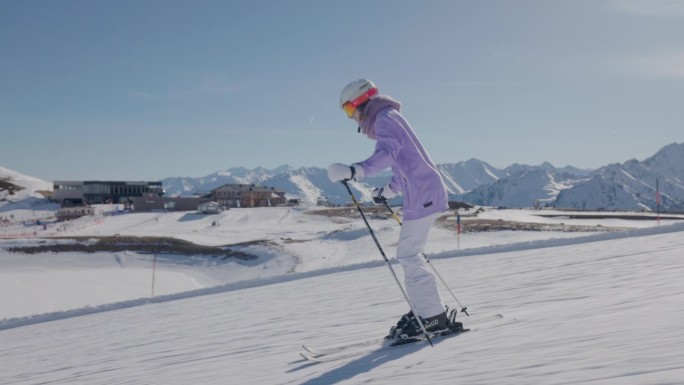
(154, 202)
(73, 193)
(247, 195)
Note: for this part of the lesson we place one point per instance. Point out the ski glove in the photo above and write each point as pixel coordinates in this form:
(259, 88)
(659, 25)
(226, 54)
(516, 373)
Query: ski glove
(338, 172)
(383, 193)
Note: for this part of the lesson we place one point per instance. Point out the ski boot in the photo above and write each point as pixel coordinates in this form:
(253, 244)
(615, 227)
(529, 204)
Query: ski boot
(408, 330)
(405, 320)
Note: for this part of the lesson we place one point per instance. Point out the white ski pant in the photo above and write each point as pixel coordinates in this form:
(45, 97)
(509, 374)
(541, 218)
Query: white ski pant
(420, 283)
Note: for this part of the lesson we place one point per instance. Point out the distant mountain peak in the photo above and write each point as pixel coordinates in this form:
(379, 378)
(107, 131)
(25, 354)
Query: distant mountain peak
(626, 185)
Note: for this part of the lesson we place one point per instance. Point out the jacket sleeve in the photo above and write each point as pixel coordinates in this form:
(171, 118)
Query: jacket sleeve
(389, 140)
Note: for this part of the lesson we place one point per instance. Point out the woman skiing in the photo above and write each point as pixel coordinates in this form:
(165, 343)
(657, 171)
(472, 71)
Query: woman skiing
(416, 177)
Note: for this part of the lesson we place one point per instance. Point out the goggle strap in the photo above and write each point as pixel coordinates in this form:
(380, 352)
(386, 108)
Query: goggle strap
(363, 97)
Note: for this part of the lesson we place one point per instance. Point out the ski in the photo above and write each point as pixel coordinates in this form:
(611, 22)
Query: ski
(375, 342)
(371, 348)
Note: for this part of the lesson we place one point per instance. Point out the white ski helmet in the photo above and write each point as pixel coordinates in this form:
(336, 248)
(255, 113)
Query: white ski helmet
(355, 94)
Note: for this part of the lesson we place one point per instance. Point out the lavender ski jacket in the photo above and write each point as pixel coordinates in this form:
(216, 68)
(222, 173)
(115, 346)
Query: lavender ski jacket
(414, 173)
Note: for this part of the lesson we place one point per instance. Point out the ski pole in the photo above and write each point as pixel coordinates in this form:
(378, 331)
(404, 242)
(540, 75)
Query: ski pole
(464, 309)
(382, 252)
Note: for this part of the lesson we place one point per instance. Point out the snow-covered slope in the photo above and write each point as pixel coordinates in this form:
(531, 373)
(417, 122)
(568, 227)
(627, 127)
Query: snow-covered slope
(522, 190)
(598, 312)
(669, 162)
(631, 185)
(465, 176)
(16, 187)
(596, 193)
(284, 241)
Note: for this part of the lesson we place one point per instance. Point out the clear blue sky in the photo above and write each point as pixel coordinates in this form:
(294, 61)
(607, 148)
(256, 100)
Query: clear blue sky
(152, 89)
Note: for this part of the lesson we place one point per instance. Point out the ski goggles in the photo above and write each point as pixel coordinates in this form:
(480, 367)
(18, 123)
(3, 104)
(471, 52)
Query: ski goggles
(351, 106)
(349, 109)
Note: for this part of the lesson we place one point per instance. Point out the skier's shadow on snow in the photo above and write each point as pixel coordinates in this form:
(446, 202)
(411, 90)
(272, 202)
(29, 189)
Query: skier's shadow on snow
(364, 363)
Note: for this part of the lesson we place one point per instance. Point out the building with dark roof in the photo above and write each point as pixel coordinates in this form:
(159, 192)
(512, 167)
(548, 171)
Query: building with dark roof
(247, 195)
(95, 192)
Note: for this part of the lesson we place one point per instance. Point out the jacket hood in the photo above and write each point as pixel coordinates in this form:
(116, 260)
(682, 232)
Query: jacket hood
(370, 111)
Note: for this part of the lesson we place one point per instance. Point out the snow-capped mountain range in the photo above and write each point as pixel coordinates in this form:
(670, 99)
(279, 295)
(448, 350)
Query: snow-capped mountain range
(630, 185)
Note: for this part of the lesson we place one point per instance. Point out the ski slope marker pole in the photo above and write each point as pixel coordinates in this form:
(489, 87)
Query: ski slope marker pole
(464, 309)
(382, 252)
(154, 270)
(458, 230)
